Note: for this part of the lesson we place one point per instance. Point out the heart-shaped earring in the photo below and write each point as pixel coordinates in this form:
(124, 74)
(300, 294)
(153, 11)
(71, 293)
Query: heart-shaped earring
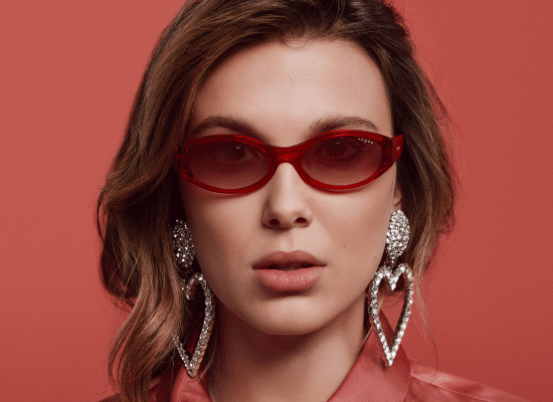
(397, 239)
(184, 253)
(392, 277)
(192, 364)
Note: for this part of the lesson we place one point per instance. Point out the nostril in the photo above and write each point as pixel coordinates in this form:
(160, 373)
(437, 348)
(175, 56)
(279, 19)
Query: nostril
(301, 220)
(274, 222)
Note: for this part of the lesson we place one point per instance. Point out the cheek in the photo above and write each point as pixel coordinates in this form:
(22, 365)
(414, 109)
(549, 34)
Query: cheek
(361, 227)
(221, 227)
(358, 227)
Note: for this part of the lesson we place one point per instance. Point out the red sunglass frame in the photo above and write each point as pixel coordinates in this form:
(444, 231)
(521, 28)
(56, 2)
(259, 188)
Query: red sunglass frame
(391, 150)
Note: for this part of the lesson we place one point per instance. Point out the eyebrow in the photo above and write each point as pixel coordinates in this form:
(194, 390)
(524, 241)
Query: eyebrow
(317, 127)
(231, 123)
(335, 122)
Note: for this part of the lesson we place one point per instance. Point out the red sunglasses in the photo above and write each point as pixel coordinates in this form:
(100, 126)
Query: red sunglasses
(334, 161)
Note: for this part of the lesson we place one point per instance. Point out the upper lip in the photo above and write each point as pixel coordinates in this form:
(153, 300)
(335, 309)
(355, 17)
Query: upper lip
(284, 260)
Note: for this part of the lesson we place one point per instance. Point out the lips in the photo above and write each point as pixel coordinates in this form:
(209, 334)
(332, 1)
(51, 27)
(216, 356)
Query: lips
(284, 272)
(287, 261)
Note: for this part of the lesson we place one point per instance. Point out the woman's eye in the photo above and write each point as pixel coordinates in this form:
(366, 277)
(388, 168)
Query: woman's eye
(339, 148)
(232, 152)
(336, 148)
(235, 152)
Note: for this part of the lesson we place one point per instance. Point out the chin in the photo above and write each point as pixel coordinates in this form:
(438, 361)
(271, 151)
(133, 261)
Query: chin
(290, 320)
(288, 329)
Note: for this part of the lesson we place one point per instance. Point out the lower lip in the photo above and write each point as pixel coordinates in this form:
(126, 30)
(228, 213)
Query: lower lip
(297, 280)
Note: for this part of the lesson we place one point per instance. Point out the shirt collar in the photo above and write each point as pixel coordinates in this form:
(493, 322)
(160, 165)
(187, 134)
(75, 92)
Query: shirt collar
(370, 379)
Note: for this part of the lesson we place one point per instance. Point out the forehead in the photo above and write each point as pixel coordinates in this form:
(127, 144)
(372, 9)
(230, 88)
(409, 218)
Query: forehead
(287, 87)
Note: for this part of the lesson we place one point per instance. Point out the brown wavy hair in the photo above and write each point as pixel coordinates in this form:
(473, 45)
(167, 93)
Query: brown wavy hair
(141, 198)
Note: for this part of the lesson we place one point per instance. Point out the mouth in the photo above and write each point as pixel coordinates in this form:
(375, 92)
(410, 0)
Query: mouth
(288, 273)
(287, 261)
(290, 267)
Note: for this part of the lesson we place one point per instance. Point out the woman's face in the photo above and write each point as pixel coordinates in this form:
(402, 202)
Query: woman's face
(285, 94)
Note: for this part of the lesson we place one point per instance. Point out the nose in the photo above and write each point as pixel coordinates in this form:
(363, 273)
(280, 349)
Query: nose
(286, 205)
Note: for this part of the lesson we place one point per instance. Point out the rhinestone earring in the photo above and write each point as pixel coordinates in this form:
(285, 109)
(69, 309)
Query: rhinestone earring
(182, 246)
(184, 252)
(397, 239)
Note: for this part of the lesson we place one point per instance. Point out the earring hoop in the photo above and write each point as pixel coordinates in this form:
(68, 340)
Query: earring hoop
(184, 253)
(397, 239)
(192, 363)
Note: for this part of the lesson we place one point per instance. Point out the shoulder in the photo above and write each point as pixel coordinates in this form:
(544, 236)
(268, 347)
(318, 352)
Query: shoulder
(174, 384)
(114, 398)
(429, 384)
(156, 393)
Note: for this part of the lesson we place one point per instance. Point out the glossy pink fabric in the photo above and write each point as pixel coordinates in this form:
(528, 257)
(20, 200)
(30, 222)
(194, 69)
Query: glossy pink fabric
(368, 380)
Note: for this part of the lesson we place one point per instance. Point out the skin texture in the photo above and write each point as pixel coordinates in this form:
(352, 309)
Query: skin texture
(286, 93)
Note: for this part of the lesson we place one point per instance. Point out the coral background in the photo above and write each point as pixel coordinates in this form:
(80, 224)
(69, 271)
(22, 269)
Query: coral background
(68, 73)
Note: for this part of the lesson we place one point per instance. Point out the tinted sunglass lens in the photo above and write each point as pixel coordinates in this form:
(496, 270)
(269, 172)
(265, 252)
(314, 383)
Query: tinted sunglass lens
(227, 164)
(342, 160)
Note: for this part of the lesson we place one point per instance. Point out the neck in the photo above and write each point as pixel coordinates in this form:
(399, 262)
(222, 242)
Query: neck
(252, 366)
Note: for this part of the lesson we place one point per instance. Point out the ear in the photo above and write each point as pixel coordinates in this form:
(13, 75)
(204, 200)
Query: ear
(396, 200)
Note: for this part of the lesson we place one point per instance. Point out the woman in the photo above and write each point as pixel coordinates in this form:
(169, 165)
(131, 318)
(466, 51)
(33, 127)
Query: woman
(284, 158)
